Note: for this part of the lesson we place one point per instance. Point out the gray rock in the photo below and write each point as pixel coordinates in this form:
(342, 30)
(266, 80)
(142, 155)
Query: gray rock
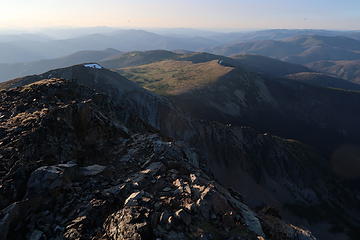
(154, 168)
(92, 170)
(49, 178)
(12, 214)
(37, 235)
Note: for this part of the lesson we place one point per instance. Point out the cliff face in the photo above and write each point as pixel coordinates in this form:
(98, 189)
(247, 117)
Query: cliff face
(106, 132)
(72, 169)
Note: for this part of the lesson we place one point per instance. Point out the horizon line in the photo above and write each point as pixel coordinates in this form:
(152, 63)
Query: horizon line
(64, 27)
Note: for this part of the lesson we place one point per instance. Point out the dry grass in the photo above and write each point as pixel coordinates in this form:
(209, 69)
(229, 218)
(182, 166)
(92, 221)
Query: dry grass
(175, 77)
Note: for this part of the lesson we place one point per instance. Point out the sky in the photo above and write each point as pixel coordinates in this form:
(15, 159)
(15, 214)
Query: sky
(205, 14)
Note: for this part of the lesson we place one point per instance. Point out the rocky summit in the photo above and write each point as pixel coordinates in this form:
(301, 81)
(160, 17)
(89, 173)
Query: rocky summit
(77, 165)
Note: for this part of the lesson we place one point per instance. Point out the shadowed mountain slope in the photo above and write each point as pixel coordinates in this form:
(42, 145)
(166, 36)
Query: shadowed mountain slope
(323, 80)
(213, 91)
(349, 70)
(269, 66)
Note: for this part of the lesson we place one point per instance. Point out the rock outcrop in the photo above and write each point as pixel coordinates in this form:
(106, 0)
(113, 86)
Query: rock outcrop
(71, 169)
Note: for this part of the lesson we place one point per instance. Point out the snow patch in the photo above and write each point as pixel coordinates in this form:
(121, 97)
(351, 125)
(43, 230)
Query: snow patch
(93, 65)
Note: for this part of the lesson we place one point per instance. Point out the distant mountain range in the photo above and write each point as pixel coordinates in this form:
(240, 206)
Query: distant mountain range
(300, 49)
(33, 47)
(279, 34)
(24, 49)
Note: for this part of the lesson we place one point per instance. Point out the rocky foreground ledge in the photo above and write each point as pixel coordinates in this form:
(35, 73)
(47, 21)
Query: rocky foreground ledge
(76, 166)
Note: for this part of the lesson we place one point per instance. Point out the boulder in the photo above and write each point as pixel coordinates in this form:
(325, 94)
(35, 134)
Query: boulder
(46, 180)
(92, 170)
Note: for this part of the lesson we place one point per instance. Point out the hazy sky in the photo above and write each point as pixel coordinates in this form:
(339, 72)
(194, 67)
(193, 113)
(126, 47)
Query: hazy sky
(330, 14)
